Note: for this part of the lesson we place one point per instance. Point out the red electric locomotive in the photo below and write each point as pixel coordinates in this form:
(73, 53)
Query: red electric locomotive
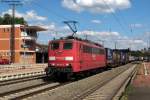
(73, 55)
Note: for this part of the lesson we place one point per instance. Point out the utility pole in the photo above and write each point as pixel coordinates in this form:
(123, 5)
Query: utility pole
(13, 4)
(12, 35)
(86, 37)
(115, 45)
(149, 41)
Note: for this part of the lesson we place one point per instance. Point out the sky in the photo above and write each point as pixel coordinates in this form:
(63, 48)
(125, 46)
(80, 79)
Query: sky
(125, 23)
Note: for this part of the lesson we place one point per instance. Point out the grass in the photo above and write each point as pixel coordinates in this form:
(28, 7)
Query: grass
(126, 93)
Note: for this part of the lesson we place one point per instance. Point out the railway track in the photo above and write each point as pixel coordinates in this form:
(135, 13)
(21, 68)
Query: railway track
(28, 91)
(14, 81)
(112, 89)
(119, 92)
(35, 90)
(26, 87)
(79, 90)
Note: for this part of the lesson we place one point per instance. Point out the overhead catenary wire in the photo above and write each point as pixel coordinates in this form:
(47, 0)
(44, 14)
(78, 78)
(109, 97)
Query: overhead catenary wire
(115, 16)
(64, 18)
(124, 21)
(50, 11)
(141, 17)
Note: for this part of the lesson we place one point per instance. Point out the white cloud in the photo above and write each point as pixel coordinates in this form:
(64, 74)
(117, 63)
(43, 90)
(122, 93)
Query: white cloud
(54, 30)
(147, 33)
(32, 15)
(70, 4)
(110, 38)
(103, 34)
(26, 1)
(97, 6)
(28, 16)
(136, 25)
(96, 21)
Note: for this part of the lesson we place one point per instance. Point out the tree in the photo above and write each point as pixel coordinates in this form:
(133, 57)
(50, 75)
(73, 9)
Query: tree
(7, 19)
(20, 21)
(137, 53)
(1, 19)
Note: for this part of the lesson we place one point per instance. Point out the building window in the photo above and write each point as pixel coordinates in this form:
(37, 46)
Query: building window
(8, 30)
(3, 53)
(7, 53)
(0, 55)
(24, 34)
(4, 30)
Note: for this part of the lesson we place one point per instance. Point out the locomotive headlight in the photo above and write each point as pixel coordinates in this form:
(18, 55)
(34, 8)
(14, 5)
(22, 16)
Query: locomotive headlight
(53, 64)
(52, 58)
(67, 64)
(69, 58)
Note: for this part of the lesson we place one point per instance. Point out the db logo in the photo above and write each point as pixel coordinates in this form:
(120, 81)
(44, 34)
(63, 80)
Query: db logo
(60, 58)
(94, 57)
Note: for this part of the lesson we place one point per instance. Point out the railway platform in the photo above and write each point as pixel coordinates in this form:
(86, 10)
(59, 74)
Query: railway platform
(140, 86)
(112, 90)
(18, 71)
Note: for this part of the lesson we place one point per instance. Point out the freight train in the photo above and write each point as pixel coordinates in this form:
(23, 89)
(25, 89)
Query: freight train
(116, 57)
(73, 55)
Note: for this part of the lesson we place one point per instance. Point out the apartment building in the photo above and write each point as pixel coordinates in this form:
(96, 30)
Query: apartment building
(24, 43)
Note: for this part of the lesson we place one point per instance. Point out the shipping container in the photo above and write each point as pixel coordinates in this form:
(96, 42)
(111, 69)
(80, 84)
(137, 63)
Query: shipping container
(109, 56)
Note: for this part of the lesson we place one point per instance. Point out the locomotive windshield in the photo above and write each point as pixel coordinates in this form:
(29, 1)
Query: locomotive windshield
(67, 46)
(54, 46)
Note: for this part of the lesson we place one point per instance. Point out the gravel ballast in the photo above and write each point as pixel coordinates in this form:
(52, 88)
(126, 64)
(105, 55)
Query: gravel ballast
(76, 89)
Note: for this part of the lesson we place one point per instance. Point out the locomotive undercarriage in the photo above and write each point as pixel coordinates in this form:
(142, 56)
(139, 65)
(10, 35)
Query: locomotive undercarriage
(59, 72)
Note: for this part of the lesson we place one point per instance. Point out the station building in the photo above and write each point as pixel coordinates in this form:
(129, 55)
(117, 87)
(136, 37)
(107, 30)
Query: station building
(24, 43)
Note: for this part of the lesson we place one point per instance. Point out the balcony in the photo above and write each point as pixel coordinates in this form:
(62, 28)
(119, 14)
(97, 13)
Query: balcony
(28, 45)
(27, 36)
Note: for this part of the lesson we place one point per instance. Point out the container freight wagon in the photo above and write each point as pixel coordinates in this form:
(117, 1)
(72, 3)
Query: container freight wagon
(131, 58)
(124, 56)
(109, 57)
(116, 58)
(112, 57)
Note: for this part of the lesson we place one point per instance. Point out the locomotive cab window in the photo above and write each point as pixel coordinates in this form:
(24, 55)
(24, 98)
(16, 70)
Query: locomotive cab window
(67, 46)
(55, 46)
